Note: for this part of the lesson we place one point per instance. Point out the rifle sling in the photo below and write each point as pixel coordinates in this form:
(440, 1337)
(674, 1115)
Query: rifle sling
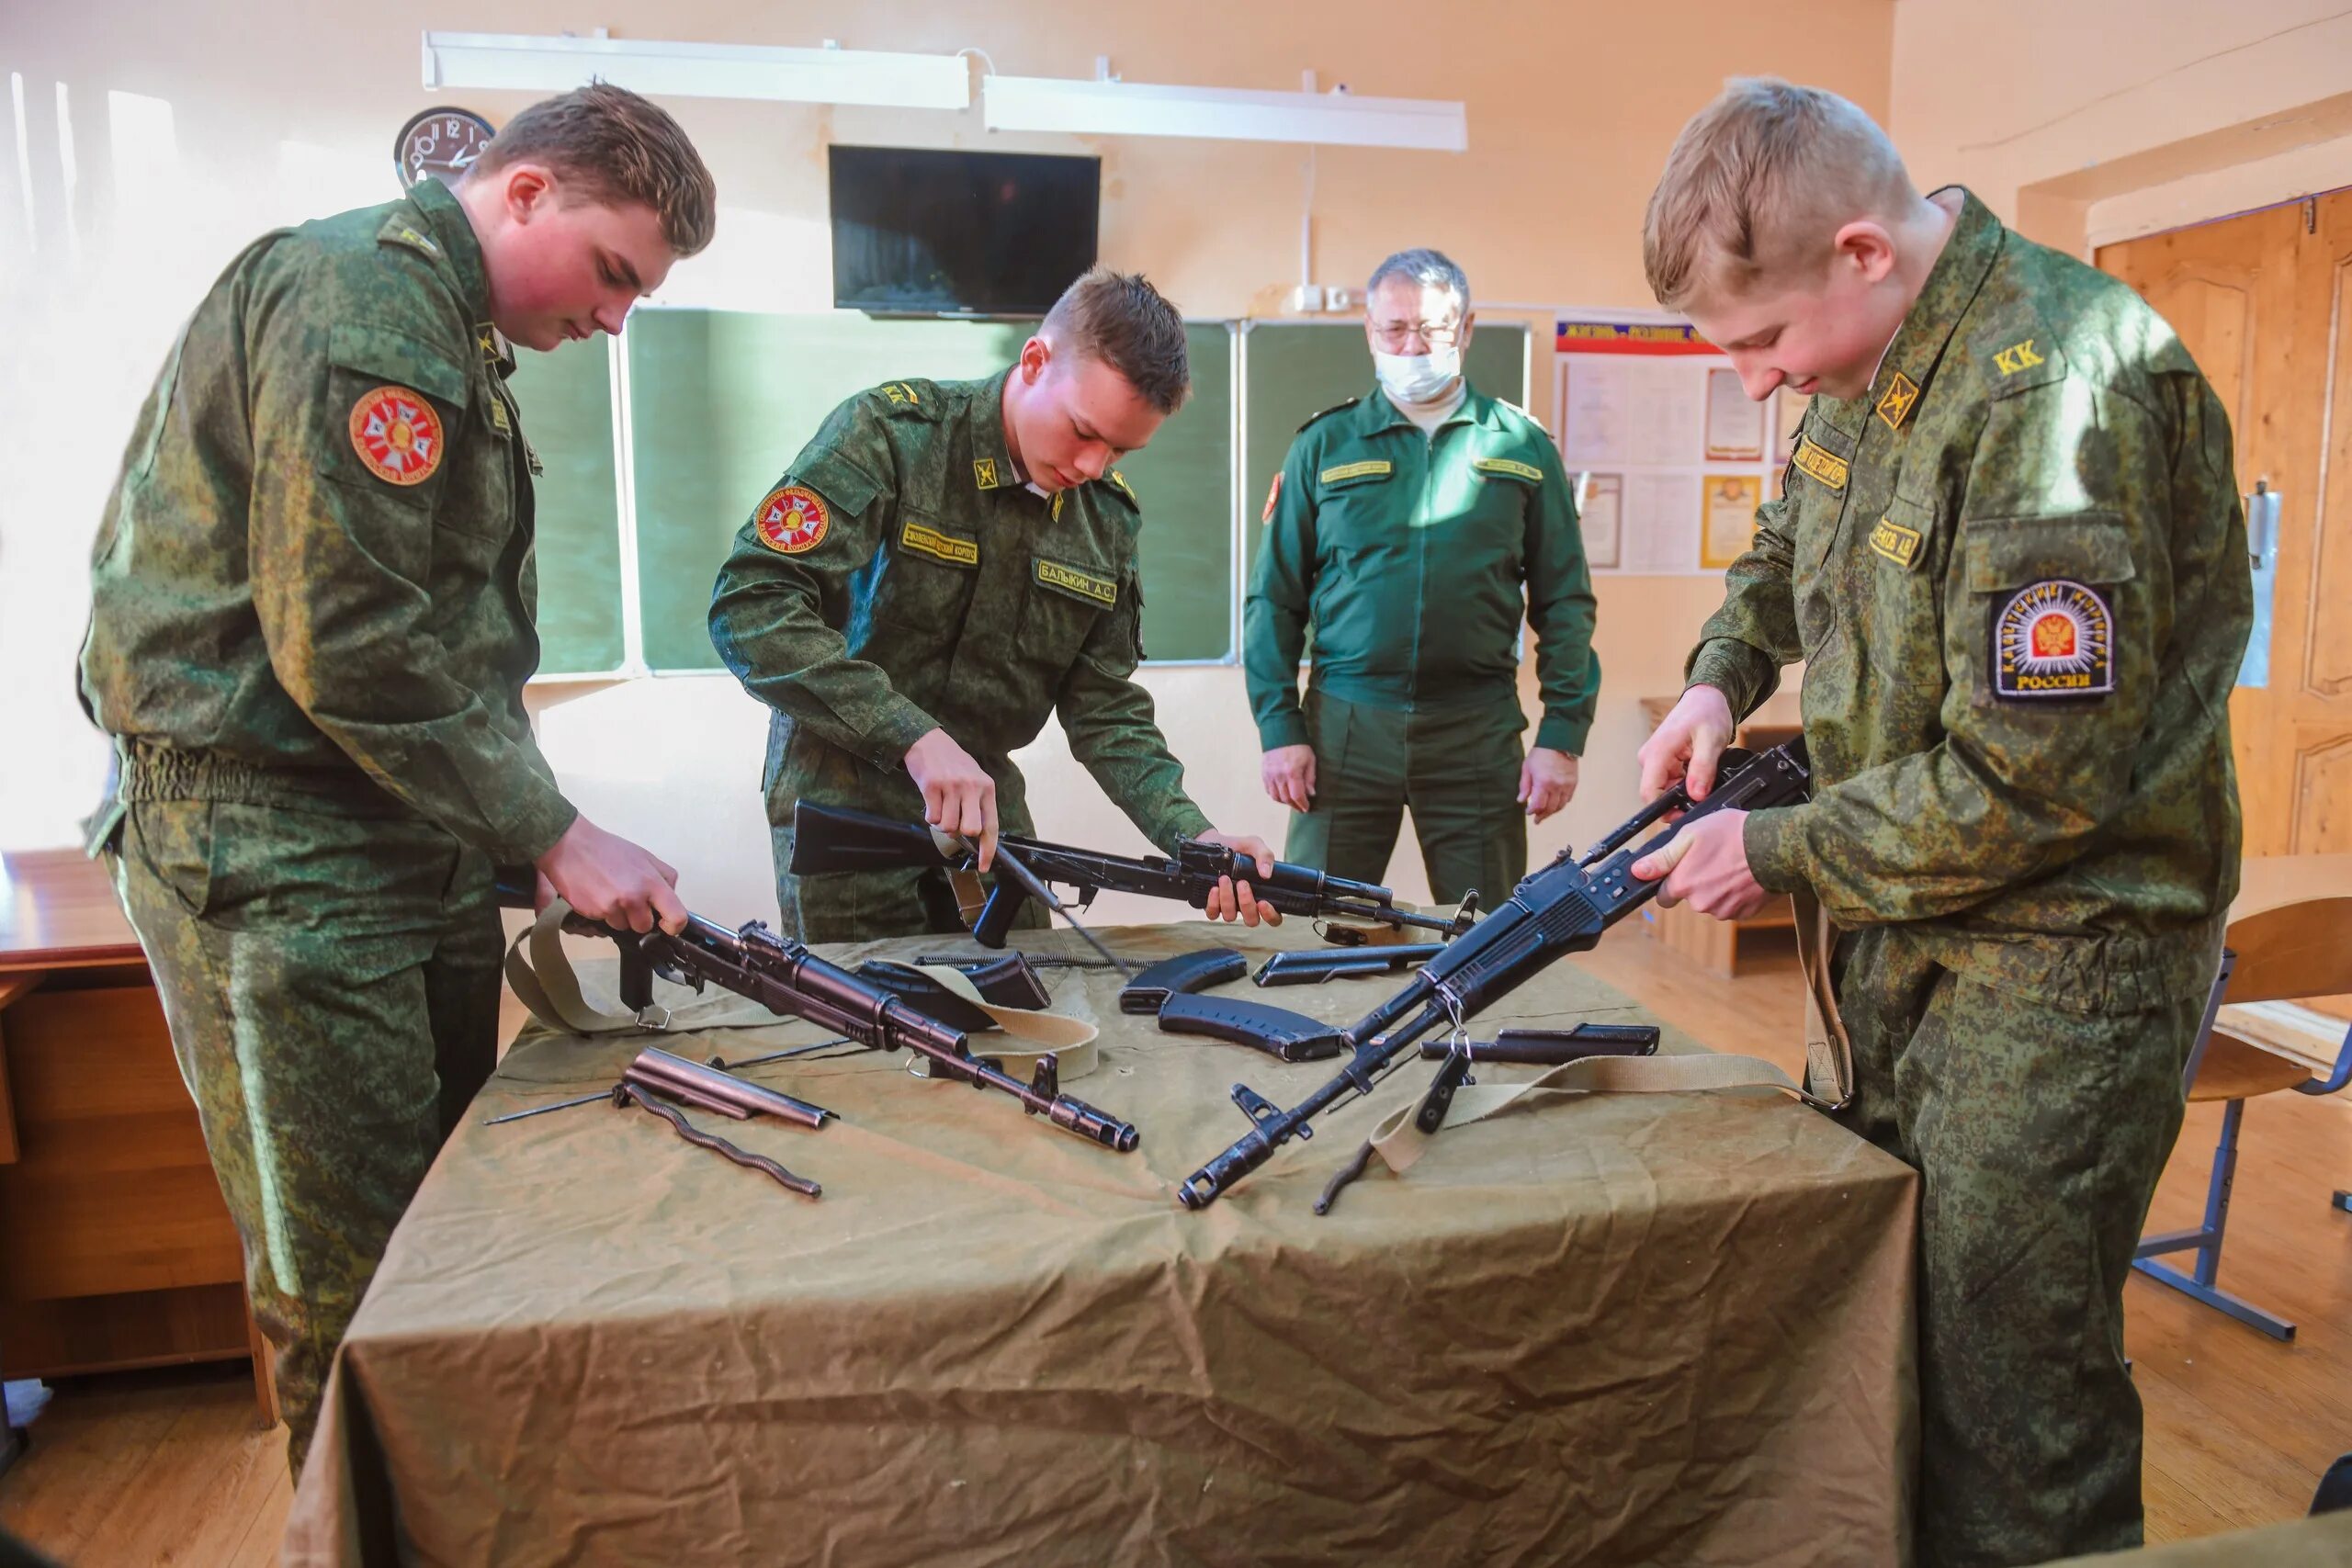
(545, 983)
(1829, 1072)
(1400, 1142)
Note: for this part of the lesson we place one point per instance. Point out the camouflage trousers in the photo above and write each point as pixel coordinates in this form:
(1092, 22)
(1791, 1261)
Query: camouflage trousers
(2039, 1133)
(1456, 767)
(331, 985)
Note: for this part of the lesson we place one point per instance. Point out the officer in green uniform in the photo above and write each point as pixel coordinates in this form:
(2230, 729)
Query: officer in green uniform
(1410, 527)
(311, 620)
(944, 564)
(2012, 557)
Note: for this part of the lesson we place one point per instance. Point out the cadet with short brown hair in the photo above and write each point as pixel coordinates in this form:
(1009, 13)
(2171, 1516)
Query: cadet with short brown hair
(945, 564)
(2012, 558)
(310, 622)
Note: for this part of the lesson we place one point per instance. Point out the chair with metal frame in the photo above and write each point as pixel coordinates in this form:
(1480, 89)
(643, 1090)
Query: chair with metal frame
(2289, 939)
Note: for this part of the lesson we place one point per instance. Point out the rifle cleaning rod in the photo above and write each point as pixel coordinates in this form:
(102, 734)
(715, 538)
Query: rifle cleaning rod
(543, 1109)
(1034, 885)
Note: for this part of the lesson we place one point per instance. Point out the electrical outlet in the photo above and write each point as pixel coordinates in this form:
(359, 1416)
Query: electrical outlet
(1306, 298)
(1340, 299)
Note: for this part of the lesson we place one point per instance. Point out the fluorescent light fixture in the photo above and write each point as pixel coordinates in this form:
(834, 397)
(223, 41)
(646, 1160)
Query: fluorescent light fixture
(1135, 109)
(826, 76)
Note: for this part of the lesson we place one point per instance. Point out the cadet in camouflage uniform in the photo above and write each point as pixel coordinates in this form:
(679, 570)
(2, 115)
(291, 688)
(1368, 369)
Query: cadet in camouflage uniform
(1414, 526)
(942, 567)
(311, 623)
(2013, 559)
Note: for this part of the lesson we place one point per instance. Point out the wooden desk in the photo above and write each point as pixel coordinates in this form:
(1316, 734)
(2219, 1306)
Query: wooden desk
(116, 1249)
(1714, 944)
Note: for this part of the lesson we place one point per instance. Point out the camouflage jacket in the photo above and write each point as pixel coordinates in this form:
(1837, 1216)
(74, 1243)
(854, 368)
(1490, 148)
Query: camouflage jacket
(317, 562)
(2016, 569)
(900, 578)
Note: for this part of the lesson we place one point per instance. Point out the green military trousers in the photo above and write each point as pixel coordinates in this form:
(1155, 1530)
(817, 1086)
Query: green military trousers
(2039, 1133)
(331, 983)
(1457, 767)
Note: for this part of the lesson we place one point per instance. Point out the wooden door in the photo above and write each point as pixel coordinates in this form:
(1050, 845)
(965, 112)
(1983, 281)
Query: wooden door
(2264, 301)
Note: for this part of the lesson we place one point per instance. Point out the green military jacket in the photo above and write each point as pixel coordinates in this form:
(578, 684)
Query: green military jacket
(2016, 569)
(900, 578)
(317, 562)
(1414, 556)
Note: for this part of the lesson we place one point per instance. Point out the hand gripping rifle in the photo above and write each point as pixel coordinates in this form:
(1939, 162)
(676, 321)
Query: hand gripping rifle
(1560, 910)
(785, 978)
(836, 838)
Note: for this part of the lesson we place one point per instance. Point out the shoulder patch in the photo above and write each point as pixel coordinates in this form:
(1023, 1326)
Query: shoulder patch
(2016, 356)
(400, 232)
(2051, 639)
(909, 400)
(791, 519)
(1119, 483)
(1326, 413)
(397, 433)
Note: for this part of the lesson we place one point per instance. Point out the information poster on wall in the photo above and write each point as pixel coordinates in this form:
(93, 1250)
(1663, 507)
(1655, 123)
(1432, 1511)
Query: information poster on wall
(1670, 456)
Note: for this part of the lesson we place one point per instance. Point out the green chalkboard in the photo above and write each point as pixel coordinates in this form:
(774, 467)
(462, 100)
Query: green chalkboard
(721, 400)
(1296, 369)
(1184, 480)
(567, 402)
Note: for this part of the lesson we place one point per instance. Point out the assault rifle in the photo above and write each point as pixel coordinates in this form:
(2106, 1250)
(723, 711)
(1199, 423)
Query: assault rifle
(836, 838)
(785, 978)
(1559, 909)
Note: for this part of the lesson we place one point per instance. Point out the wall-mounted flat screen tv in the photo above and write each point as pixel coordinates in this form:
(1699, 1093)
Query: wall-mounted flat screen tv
(960, 234)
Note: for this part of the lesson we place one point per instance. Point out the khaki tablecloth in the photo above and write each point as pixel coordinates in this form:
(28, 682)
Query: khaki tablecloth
(1670, 1328)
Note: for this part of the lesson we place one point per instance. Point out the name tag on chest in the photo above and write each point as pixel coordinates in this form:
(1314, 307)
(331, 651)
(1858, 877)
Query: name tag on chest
(1080, 584)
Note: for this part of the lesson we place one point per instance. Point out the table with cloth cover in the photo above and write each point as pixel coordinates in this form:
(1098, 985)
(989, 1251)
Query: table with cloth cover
(1620, 1329)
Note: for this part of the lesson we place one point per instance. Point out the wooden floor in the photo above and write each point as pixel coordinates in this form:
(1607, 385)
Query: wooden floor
(168, 1467)
(2239, 1425)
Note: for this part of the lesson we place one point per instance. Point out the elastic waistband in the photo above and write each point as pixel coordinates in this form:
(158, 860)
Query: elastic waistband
(156, 772)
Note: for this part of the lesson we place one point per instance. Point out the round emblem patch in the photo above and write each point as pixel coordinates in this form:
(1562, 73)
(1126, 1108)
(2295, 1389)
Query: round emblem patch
(2052, 639)
(397, 435)
(791, 519)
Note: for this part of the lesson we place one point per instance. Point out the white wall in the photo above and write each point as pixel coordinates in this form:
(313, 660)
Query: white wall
(195, 125)
(2048, 111)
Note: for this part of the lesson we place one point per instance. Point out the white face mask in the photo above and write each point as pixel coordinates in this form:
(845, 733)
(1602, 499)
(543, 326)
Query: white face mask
(1419, 378)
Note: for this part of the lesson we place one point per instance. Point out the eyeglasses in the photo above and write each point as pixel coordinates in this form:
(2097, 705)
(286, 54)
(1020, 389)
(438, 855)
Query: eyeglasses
(1393, 335)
